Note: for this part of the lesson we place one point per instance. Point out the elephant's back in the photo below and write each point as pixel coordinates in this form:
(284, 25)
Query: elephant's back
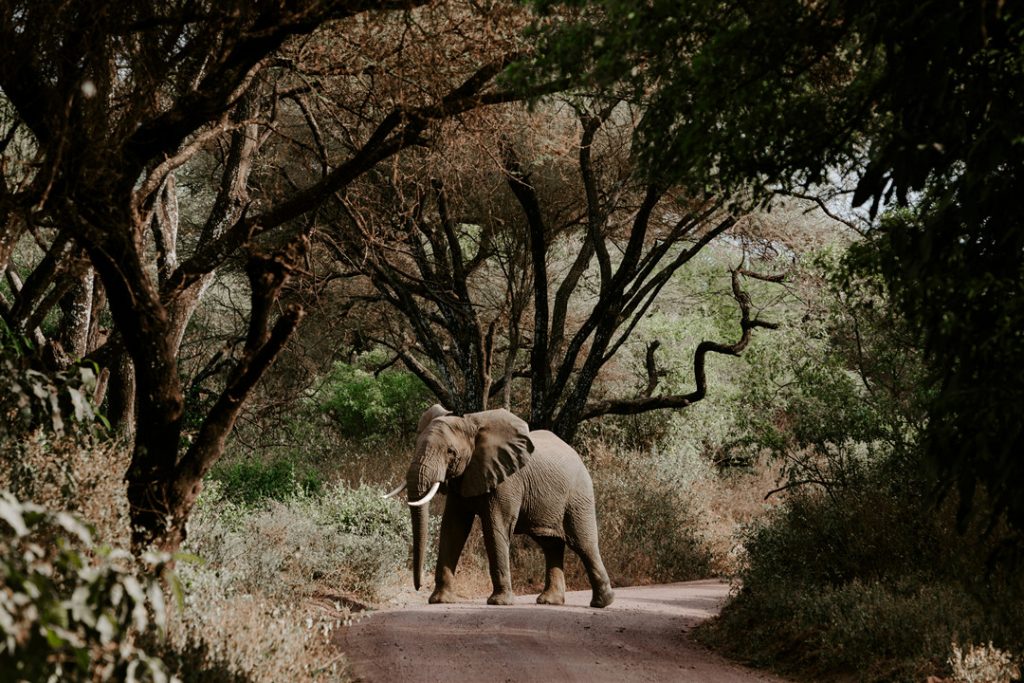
(548, 446)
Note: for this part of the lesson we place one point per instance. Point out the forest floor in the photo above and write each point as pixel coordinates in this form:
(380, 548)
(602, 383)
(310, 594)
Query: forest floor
(642, 636)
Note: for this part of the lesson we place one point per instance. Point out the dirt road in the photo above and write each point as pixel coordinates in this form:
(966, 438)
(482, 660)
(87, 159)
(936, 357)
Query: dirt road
(642, 637)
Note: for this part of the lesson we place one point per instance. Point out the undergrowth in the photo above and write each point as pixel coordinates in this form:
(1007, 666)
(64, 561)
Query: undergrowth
(870, 580)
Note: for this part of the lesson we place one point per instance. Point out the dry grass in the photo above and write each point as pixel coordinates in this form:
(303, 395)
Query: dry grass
(221, 635)
(71, 473)
(732, 501)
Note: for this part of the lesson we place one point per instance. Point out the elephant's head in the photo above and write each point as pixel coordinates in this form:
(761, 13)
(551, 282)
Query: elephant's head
(469, 455)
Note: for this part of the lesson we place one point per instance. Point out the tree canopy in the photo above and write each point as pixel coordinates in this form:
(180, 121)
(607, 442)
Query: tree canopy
(104, 107)
(553, 246)
(920, 104)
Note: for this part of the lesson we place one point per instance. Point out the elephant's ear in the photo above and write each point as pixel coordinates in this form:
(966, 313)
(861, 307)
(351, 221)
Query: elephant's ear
(434, 411)
(502, 447)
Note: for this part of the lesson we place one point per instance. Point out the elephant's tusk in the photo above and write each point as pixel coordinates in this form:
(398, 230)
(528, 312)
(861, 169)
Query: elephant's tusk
(395, 492)
(426, 499)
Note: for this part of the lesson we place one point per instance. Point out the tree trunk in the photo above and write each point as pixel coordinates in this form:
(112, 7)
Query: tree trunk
(77, 308)
(121, 398)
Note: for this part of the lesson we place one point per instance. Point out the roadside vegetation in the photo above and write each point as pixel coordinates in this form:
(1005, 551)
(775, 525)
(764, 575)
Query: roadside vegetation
(863, 569)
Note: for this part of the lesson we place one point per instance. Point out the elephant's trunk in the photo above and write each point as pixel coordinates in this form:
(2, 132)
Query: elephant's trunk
(420, 517)
(424, 473)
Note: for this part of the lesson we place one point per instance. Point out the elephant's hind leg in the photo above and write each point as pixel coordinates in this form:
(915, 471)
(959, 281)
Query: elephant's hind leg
(554, 581)
(581, 536)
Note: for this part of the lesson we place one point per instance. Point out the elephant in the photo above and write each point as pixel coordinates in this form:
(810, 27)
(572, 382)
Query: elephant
(489, 464)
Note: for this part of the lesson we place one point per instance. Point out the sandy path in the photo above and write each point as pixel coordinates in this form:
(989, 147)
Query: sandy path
(641, 637)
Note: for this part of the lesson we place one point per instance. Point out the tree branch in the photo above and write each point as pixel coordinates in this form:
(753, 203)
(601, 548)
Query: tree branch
(263, 343)
(654, 375)
(644, 404)
(397, 130)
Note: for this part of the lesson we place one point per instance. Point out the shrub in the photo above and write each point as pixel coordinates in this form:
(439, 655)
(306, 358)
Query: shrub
(251, 482)
(861, 569)
(349, 539)
(227, 637)
(75, 473)
(364, 404)
(651, 522)
(982, 664)
(69, 611)
(871, 579)
(275, 581)
(55, 448)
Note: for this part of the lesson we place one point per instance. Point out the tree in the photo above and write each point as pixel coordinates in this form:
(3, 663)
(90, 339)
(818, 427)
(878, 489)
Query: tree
(104, 106)
(920, 104)
(557, 221)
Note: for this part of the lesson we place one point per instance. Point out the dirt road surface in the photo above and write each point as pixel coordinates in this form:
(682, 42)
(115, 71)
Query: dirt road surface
(643, 636)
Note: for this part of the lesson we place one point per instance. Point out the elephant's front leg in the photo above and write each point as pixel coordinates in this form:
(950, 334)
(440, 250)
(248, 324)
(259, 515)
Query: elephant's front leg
(497, 528)
(456, 522)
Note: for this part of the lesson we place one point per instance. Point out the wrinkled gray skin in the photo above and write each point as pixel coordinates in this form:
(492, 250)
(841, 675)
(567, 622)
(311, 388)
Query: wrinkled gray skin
(516, 481)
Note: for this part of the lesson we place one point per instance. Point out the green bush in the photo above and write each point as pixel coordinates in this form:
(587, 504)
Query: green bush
(861, 570)
(252, 482)
(871, 579)
(364, 404)
(69, 611)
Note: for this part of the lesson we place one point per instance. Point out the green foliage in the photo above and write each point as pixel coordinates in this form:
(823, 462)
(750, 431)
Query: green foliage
(733, 96)
(251, 482)
(11, 343)
(966, 301)
(869, 580)
(365, 404)
(859, 570)
(698, 306)
(843, 389)
(49, 400)
(69, 611)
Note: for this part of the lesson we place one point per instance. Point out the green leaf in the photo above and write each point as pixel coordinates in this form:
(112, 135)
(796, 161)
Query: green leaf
(10, 513)
(53, 639)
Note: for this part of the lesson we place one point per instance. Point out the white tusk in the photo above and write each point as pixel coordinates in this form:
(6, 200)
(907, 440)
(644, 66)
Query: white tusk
(426, 499)
(395, 492)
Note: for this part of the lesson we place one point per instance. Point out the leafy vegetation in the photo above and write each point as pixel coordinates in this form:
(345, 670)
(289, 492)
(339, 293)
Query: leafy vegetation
(70, 611)
(364, 404)
(861, 570)
(253, 482)
(783, 96)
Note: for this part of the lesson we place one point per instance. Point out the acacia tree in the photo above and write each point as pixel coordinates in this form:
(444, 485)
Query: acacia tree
(561, 258)
(105, 104)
